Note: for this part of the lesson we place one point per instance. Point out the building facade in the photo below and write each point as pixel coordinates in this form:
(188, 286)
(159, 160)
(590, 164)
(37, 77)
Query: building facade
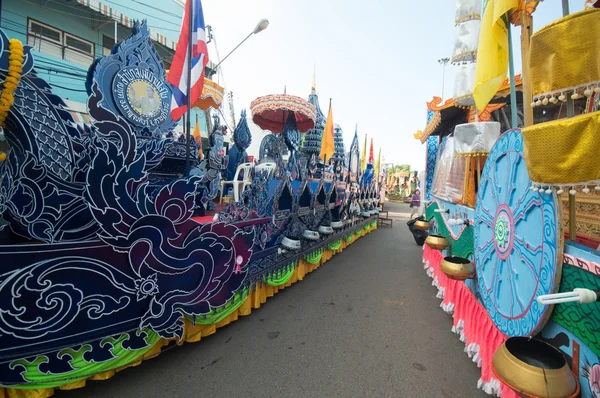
(68, 35)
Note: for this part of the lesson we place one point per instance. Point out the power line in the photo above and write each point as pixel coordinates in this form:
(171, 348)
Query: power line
(149, 6)
(119, 5)
(67, 88)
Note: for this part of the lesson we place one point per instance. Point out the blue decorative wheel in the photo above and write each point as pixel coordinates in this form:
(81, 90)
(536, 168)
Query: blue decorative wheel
(518, 241)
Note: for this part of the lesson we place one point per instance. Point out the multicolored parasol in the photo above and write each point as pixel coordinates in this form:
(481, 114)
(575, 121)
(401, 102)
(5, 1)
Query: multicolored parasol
(270, 112)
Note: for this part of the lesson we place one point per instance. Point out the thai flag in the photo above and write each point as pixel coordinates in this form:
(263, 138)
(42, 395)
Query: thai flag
(178, 72)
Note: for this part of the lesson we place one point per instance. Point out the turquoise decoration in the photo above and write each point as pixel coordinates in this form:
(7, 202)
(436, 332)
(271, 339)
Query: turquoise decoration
(515, 263)
(432, 151)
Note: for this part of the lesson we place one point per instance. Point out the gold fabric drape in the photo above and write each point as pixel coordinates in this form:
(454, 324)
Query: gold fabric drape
(566, 53)
(564, 151)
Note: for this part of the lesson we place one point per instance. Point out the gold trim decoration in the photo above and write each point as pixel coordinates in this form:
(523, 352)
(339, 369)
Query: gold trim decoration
(471, 154)
(564, 152)
(553, 380)
(433, 124)
(465, 56)
(15, 67)
(587, 210)
(561, 66)
(468, 17)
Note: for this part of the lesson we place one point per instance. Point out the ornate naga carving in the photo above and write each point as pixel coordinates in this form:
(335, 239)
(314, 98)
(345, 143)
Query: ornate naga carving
(436, 104)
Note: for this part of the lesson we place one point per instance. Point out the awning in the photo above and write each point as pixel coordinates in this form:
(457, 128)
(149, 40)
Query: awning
(109, 12)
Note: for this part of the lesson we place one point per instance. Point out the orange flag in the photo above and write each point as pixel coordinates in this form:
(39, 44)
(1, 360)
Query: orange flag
(198, 138)
(327, 148)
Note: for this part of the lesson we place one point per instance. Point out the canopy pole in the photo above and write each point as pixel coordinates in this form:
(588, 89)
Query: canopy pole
(526, 29)
(511, 71)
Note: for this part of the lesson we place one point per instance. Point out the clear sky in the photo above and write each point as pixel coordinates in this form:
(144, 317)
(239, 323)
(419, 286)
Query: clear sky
(377, 60)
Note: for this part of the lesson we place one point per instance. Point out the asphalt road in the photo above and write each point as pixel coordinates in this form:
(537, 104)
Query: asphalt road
(365, 324)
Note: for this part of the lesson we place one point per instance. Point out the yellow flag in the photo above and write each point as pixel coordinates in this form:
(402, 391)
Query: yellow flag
(327, 148)
(198, 138)
(378, 165)
(492, 52)
(363, 156)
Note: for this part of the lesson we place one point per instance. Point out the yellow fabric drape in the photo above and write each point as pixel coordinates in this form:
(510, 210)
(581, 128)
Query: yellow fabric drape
(564, 151)
(492, 52)
(192, 334)
(558, 62)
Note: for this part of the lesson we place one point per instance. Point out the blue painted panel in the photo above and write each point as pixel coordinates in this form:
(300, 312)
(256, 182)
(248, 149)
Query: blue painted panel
(589, 363)
(516, 241)
(580, 251)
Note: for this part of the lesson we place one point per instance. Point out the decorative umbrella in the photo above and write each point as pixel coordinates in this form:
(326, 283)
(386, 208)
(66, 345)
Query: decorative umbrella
(271, 112)
(211, 97)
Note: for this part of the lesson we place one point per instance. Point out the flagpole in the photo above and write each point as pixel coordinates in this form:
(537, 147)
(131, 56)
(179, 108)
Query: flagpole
(188, 133)
(511, 71)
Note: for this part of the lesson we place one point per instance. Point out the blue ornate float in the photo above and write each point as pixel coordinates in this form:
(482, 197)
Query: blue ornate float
(103, 258)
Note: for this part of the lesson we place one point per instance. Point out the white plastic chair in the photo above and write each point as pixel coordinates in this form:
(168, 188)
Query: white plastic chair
(246, 169)
(270, 167)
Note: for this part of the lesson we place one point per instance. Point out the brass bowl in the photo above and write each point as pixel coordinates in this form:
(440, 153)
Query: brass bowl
(457, 268)
(422, 225)
(437, 242)
(533, 368)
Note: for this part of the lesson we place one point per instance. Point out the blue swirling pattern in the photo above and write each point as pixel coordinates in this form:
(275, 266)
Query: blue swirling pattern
(515, 268)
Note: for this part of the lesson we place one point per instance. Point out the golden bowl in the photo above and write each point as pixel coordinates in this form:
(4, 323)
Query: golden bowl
(437, 242)
(422, 225)
(533, 368)
(457, 268)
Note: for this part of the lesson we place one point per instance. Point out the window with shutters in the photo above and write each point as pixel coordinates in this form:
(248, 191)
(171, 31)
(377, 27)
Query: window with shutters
(107, 44)
(56, 43)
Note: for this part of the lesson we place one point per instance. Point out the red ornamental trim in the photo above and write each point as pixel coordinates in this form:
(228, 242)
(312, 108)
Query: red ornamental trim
(585, 265)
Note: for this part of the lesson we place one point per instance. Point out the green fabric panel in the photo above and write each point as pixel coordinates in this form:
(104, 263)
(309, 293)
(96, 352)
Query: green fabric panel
(335, 245)
(583, 320)
(463, 247)
(82, 369)
(283, 277)
(314, 257)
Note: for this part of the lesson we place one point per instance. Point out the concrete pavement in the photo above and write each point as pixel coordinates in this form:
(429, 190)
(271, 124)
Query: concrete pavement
(365, 324)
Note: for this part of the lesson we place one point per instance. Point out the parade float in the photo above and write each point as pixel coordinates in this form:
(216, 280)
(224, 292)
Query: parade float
(110, 253)
(513, 214)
